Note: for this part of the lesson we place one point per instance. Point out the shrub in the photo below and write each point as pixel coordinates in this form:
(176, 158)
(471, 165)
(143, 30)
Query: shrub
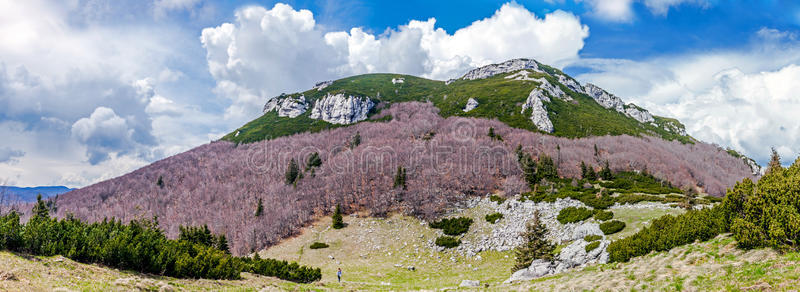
(337, 221)
(668, 232)
(535, 245)
(590, 238)
(313, 161)
(591, 246)
(318, 245)
(447, 241)
(453, 226)
(492, 218)
(612, 227)
(766, 213)
(574, 214)
(497, 199)
(259, 208)
(603, 215)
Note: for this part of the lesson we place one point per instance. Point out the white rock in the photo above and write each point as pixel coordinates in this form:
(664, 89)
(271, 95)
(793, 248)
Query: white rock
(398, 80)
(604, 98)
(611, 101)
(470, 283)
(505, 67)
(521, 75)
(537, 269)
(553, 90)
(570, 83)
(321, 85)
(341, 109)
(287, 106)
(539, 112)
(471, 105)
(639, 114)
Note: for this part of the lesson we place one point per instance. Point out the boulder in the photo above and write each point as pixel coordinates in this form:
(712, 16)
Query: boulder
(470, 283)
(471, 105)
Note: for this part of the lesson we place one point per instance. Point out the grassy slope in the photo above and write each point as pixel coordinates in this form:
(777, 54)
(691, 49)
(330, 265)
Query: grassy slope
(369, 248)
(716, 265)
(499, 98)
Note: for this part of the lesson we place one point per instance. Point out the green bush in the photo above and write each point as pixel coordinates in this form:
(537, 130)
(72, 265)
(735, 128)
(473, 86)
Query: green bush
(318, 245)
(453, 226)
(447, 241)
(668, 232)
(603, 215)
(591, 246)
(590, 238)
(574, 214)
(492, 218)
(497, 199)
(140, 246)
(612, 227)
(766, 213)
(337, 222)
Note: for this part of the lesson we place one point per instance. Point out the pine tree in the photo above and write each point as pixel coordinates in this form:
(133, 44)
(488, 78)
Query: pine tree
(596, 152)
(292, 172)
(547, 168)
(529, 167)
(774, 161)
(222, 244)
(400, 177)
(338, 223)
(535, 246)
(356, 140)
(40, 210)
(313, 161)
(259, 208)
(491, 132)
(590, 173)
(584, 170)
(606, 174)
(160, 182)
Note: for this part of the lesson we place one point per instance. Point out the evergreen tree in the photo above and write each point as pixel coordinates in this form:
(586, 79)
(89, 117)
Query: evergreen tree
(292, 172)
(400, 177)
(547, 168)
(774, 161)
(160, 182)
(596, 152)
(222, 244)
(356, 140)
(313, 161)
(259, 208)
(590, 173)
(529, 167)
(535, 245)
(584, 171)
(338, 223)
(40, 209)
(606, 174)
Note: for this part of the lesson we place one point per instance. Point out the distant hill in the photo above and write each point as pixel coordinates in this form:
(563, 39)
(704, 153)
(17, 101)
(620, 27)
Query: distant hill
(29, 194)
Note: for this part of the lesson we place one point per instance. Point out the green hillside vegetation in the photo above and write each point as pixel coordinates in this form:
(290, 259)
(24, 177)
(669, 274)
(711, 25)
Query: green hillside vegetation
(498, 98)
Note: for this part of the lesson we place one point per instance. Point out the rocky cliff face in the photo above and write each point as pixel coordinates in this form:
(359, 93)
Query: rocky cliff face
(341, 109)
(287, 106)
(611, 101)
(538, 111)
(505, 67)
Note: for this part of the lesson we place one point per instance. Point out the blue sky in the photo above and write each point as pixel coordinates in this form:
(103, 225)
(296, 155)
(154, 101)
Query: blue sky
(91, 89)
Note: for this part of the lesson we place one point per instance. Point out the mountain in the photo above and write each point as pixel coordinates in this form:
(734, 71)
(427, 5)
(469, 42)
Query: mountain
(453, 141)
(28, 194)
(521, 93)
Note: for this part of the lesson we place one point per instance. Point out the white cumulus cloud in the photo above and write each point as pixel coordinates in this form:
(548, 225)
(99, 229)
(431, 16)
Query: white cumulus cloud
(269, 51)
(744, 99)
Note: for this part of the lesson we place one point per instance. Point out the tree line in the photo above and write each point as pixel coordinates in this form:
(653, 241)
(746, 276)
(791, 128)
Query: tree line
(139, 246)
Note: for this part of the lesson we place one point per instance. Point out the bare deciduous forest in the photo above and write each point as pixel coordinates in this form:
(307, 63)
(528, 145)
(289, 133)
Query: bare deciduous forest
(220, 183)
